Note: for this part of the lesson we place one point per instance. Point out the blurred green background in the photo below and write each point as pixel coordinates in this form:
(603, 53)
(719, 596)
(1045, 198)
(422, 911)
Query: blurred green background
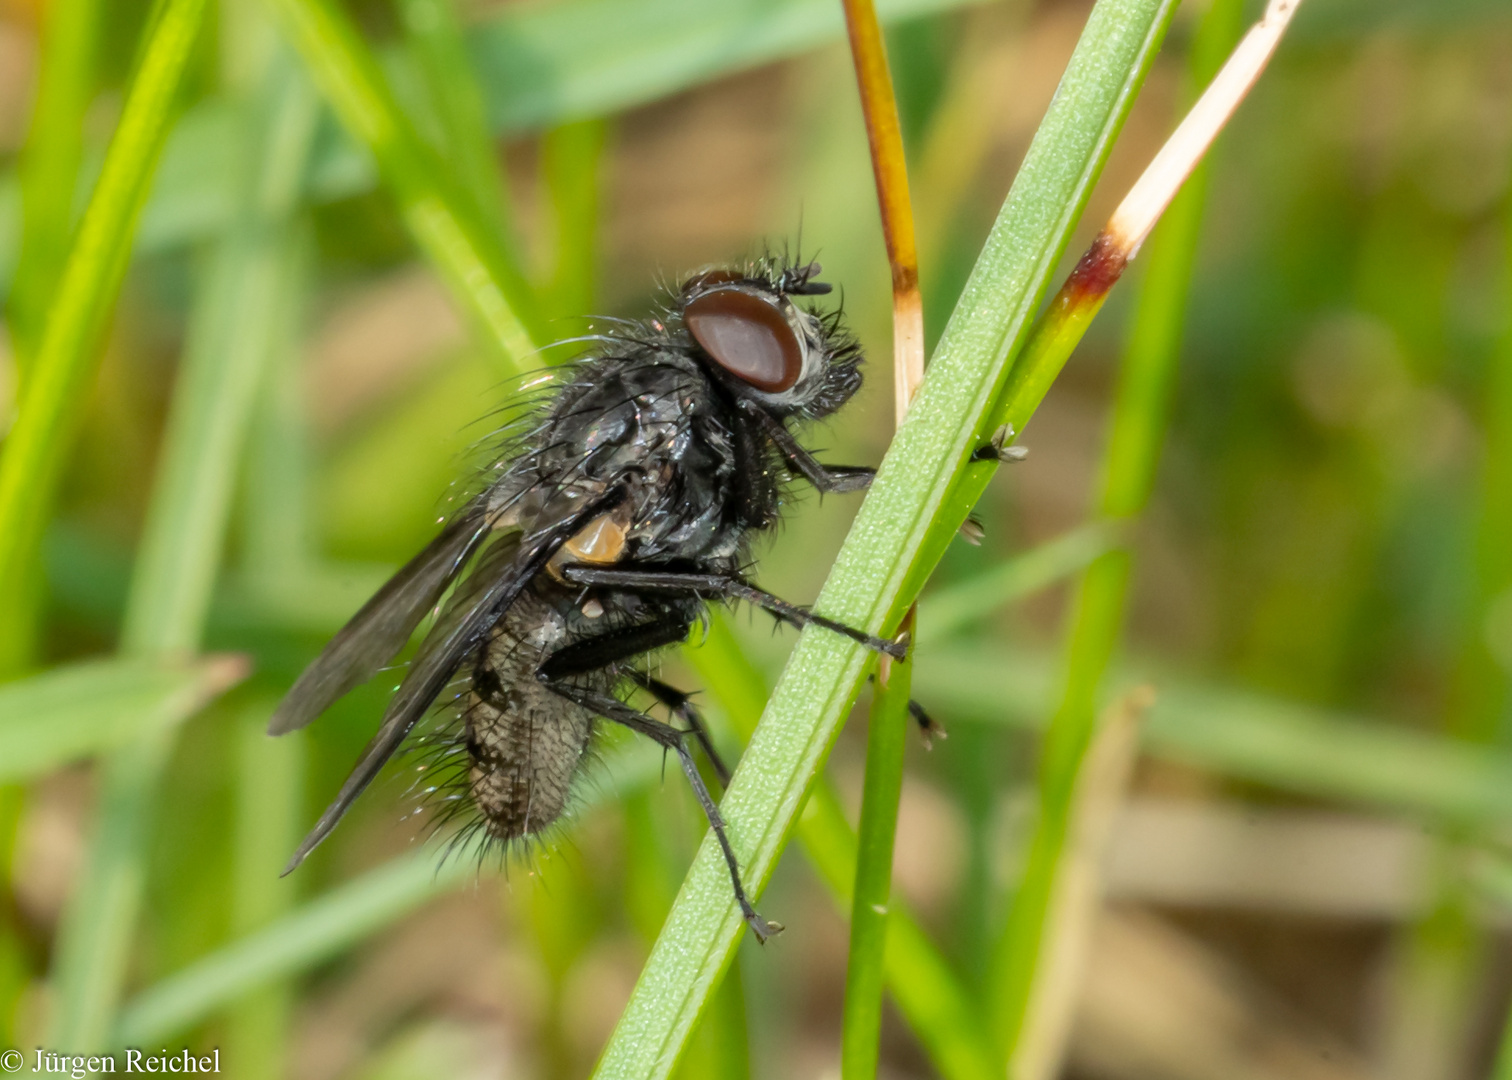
(1308, 877)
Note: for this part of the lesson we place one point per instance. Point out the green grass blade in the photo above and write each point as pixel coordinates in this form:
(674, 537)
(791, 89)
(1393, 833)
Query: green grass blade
(328, 926)
(50, 163)
(49, 181)
(1281, 744)
(78, 710)
(1483, 686)
(442, 217)
(540, 65)
(438, 41)
(182, 544)
(226, 359)
(549, 62)
(269, 822)
(1141, 407)
(945, 611)
(928, 994)
(56, 389)
(887, 738)
(570, 159)
(314, 933)
(903, 525)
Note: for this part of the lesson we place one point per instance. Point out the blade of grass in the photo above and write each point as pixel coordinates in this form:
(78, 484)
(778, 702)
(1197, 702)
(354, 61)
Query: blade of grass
(888, 724)
(181, 548)
(49, 167)
(861, 1019)
(945, 611)
(570, 157)
(1482, 684)
(436, 36)
(1138, 424)
(54, 396)
(929, 996)
(443, 218)
(313, 933)
(540, 65)
(1100, 789)
(269, 807)
(903, 524)
(1266, 740)
(546, 63)
(78, 710)
(326, 927)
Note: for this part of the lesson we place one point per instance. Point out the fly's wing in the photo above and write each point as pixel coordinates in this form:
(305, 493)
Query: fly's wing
(375, 634)
(501, 574)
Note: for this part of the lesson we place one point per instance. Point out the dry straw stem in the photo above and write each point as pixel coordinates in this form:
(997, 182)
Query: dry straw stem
(1157, 186)
(1100, 791)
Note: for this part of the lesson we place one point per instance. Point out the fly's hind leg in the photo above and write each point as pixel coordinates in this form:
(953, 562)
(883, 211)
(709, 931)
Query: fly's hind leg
(612, 708)
(681, 706)
(597, 653)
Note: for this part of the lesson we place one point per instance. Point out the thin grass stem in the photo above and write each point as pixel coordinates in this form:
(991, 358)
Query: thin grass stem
(887, 738)
(269, 802)
(570, 159)
(948, 610)
(49, 167)
(53, 399)
(435, 33)
(1482, 687)
(181, 549)
(440, 214)
(928, 994)
(861, 1021)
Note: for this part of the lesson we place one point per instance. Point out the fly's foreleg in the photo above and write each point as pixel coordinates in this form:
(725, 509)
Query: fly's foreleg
(681, 706)
(826, 478)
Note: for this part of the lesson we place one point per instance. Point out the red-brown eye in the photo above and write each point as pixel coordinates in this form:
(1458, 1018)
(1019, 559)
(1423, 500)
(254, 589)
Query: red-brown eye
(747, 336)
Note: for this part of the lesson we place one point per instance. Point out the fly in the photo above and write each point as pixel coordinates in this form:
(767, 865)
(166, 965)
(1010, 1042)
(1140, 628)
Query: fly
(630, 498)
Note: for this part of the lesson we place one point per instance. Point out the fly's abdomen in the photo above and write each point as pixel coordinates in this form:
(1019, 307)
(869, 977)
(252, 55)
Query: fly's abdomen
(524, 743)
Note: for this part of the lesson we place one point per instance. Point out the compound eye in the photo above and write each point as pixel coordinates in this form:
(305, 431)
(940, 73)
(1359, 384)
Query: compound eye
(748, 336)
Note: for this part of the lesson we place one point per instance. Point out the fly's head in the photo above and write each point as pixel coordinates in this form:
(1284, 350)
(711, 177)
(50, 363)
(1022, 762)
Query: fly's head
(748, 329)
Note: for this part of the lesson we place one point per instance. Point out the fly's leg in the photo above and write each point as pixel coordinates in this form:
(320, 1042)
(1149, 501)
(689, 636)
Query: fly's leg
(602, 650)
(930, 729)
(826, 478)
(681, 705)
(612, 708)
(998, 448)
(727, 587)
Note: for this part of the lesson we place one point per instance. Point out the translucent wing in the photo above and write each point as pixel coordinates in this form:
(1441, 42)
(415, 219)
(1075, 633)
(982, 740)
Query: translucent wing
(501, 574)
(375, 634)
